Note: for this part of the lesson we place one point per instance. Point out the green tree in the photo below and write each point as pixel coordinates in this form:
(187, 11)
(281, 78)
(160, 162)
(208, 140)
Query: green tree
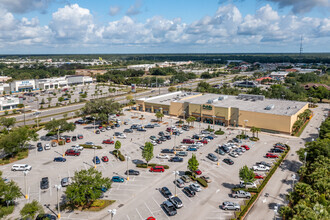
(193, 163)
(171, 89)
(31, 210)
(60, 99)
(190, 119)
(148, 152)
(325, 129)
(7, 122)
(102, 108)
(42, 101)
(86, 187)
(246, 174)
(58, 126)
(321, 93)
(117, 146)
(159, 115)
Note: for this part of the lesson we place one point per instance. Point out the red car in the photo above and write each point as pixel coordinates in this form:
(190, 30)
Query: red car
(198, 172)
(246, 147)
(188, 141)
(108, 141)
(204, 141)
(279, 147)
(269, 155)
(105, 159)
(100, 127)
(72, 152)
(68, 140)
(80, 136)
(258, 176)
(157, 169)
(151, 218)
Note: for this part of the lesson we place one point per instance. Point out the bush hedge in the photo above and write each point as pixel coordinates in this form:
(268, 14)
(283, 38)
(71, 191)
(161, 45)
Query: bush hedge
(219, 132)
(119, 155)
(87, 146)
(254, 139)
(202, 182)
(144, 165)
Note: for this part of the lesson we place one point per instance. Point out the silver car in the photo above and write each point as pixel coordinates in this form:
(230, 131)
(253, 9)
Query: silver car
(230, 206)
(241, 194)
(65, 181)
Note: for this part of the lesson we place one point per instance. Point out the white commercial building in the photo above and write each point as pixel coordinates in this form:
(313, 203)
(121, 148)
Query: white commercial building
(7, 103)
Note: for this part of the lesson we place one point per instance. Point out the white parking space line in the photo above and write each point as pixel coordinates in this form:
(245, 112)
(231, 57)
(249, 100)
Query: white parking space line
(139, 213)
(128, 217)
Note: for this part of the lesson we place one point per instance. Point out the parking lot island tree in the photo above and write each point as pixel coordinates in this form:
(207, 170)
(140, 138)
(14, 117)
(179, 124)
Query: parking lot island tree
(148, 152)
(7, 122)
(31, 210)
(129, 98)
(159, 115)
(86, 187)
(101, 108)
(254, 131)
(59, 126)
(117, 146)
(193, 163)
(9, 192)
(190, 119)
(246, 174)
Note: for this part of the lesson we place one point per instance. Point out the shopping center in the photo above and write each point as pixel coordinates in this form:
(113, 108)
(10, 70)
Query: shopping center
(270, 115)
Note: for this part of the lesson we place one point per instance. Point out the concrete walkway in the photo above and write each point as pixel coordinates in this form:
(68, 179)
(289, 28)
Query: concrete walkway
(282, 182)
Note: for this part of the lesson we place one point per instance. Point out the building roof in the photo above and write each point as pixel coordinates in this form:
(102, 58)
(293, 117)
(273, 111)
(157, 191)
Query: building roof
(315, 85)
(262, 78)
(166, 99)
(276, 106)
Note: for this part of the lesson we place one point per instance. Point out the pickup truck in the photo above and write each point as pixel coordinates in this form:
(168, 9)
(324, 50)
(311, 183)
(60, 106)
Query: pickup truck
(260, 168)
(241, 194)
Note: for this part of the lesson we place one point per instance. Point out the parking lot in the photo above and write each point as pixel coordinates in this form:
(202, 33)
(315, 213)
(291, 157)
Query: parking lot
(139, 197)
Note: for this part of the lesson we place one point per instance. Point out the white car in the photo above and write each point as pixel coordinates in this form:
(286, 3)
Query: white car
(122, 136)
(163, 156)
(199, 144)
(77, 147)
(233, 154)
(261, 168)
(153, 143)
(196, 187)
(47, 147)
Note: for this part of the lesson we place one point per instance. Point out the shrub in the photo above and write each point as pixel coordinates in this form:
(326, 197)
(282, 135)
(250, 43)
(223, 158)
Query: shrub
(202, 182)
(144, 165)
(219, 132)
(4, 210)
(98, 203)
(90, 146)
(61, 142)
(254, 139)
(121, 157)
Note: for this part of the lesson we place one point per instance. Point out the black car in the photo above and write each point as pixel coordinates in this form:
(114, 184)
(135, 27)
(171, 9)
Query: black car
(132, 172)
(158, 141)
(277, 150)
(127, 130)
(195, 136)
(163, 138)
(225, 149)
(166, 192)
(185, 128)
(74, 138)
(176, 159)
(263, 163)
(189, 192)
(39, 144)
(167, 151)
(40, 148)
(79, 122)
(161, 133)
(46, 217)
(176, 202)
(141, 129)
(219, 151)
(237, 140)
(59, 159)
(44, 183)
(169, 208)
(134, 126)
(168, 137)
(149, 126)
(228, 161)
(97, 132)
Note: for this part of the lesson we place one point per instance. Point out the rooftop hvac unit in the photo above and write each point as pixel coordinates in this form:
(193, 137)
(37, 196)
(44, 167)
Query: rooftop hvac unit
(270, 107)
(223, 97)
(210, 101)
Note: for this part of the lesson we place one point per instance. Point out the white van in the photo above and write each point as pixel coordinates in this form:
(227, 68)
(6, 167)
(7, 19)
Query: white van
(21, 167)
(248, 184)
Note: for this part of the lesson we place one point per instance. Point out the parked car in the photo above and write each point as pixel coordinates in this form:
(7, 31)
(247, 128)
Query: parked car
(161, 133)
(77, 147)
(212, 157)
(46, 217)
(117, 179)
(153, 138)
(228, 161)
(190, 148)
(196, 187)
(74, 138)
(47, 147)
(225, 149)
(258, 176)
(40, 148)
(108, 141)
(96, 160)
(241, 194)
(141, 129)
(132, 172)
(242, 184)
(270, 155)
(80, 136)
(169, 208)
(185, 178)
(176, 202)
(157, 169)
(44, 183)
(198, 172)
(189, 192)
(127, 130)
(206, 178)
(71, 152)
(39, 144)
(219, 151)
(178, 148)
(246, 147)
(263, 163)
(233, 154)
(105, 159)
(181, 154)
(188, 141)
(179, 183)
(166, 192)
(230, 206)
(89, 143)
(149, 126)
(65, 181)
(97, 132)
(59, 159)
(176, 159)
(167, 151)
(260, 168)
(21, 167)
(163, 156)
(237, 140)
(122, 136)
(276, 150)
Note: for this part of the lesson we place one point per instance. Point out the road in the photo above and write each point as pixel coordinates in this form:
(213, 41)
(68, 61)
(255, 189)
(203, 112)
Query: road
(282, 182)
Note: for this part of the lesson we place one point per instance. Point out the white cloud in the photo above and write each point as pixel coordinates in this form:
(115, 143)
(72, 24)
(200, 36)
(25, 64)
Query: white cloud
(22, 6)
(114, 10)
(302, 6)
(135, 8)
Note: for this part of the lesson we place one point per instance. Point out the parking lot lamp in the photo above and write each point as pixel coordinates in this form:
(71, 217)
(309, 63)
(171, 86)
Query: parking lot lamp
(305, 154)
(127, 158)
(175, 173)
(213, 116)
(245, 122)
(94, 159)
(25, 184)
(184, 116)
(94, 124)
(58, 187)
(112, 213)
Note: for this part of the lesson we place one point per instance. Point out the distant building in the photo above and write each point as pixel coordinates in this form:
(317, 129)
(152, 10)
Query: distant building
(245, 84)
(90, 72)
(278, 75)
(315, 85)
(263, 78)
(5, 78)
(8, 102)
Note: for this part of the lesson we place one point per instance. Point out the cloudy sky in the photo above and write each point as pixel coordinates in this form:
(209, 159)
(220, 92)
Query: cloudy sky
(163, 26)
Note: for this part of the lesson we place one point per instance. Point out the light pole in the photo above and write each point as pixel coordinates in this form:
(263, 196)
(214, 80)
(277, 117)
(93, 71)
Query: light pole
(94, 159)
(112, 213)
(175, 173)
(184, 116)
(58, 187)
(245, 122)
(293, 179)
(127, 173)
(305, 154)
(275, 211)
(37, 119)
(25, 184)
(94, 124)
(213, 116)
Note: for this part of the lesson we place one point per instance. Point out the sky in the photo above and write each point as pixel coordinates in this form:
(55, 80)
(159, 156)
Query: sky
(163, 26)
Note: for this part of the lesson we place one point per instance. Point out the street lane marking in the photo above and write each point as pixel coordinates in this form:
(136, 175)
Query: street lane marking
(139, 213)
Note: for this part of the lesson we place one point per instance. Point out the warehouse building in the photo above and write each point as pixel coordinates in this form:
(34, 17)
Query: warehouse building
(270, 115)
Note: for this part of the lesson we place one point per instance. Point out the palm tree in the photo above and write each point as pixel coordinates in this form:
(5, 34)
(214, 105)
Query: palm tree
(253, 130)
(159, 115)
(190, 119)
